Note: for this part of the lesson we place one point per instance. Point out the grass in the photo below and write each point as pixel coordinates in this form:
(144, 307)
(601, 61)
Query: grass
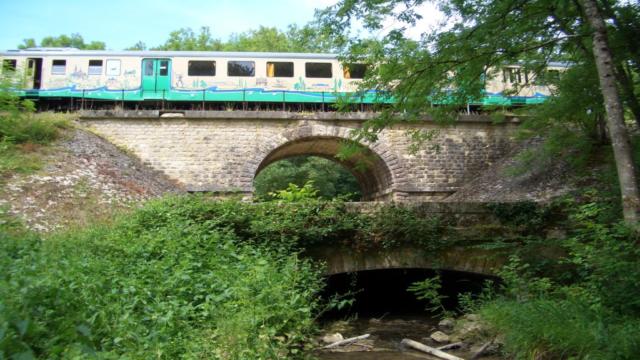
(24, 137)
(586, 304)
(143, 289)
(13, 159)
(549, 328)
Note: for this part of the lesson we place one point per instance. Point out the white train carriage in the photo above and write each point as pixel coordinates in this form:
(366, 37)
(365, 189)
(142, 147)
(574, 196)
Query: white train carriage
(199, 76)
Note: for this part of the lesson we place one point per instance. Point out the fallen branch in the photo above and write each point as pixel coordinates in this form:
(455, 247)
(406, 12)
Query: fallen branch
(366, 346)
(429, 350)
(482, 349)
(451, 346)
(346, 341)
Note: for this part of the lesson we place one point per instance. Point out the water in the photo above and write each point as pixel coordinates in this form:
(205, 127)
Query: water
(381, 355)
(384, 342)
(386, 335)
(385, 309)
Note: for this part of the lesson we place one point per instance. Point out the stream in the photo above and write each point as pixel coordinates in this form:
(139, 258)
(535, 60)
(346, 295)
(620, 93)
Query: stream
(384, 342)
(385, 309)
(386, 334)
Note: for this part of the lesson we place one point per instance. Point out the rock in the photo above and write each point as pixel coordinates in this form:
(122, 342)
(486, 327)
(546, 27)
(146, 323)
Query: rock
(331, 338)
(467, 330)
(440, 337)
(472, 317)
(446, 324)
(492, 349)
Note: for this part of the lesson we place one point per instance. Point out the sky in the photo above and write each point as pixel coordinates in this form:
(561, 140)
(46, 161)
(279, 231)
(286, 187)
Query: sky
(122, 23)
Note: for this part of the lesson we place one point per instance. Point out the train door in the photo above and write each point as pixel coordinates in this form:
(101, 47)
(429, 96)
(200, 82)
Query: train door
(156, 78)
(34, 72)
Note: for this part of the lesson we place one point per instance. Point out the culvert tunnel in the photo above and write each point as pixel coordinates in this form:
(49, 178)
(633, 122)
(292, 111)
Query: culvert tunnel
(383, 292)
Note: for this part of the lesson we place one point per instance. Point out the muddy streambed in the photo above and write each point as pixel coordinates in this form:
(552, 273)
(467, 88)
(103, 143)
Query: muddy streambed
(383, 308)
(386, 335)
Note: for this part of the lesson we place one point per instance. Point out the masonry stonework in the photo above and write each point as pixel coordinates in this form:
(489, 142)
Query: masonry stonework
(223, 151)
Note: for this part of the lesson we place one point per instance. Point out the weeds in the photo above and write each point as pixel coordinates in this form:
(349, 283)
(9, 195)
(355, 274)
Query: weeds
(428, 290)
(589, 311)
(22, 131)
(143, 289)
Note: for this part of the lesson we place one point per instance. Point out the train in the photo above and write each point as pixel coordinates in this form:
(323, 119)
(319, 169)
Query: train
(202, 79)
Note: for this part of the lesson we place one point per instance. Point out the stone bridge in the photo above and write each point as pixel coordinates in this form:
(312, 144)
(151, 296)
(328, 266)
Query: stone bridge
(456, 258)
(223, 151)
(469, 226)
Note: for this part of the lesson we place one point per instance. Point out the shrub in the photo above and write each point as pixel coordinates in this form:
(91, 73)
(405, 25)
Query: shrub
(20, 126)
(32, 128)
(590, 311)
(393, 226)
(177, 287)
(553, 328)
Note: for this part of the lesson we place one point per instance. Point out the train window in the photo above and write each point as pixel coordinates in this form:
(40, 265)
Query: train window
(95, 67)
(148, 68)
(318, 70)
(59, 67)
(279, 69)
(546, 77)
(553, 76)
(354, 71)
(113, 67)
(241, 68)
(511, 75)
(202, 68)
(9, 65)
(164, 68)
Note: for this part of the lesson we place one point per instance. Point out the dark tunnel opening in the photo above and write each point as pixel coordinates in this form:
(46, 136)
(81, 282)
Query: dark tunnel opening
(380, 293)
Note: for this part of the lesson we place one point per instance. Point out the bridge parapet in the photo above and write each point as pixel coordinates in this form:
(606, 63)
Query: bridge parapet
(266, 115)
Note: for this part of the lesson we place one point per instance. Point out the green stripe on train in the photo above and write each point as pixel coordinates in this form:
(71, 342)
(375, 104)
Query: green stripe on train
(250, 96)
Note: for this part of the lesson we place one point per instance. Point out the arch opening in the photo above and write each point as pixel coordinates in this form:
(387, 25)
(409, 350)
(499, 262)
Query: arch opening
(330, 179)
(369, 169)
(380, 292)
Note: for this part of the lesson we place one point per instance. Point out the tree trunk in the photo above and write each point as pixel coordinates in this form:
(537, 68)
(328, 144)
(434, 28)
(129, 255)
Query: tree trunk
(628, 92)
(615, 116)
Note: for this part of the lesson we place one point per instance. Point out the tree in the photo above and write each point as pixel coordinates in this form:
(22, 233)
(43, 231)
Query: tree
(28, 43)
(73, 40)
(449, 66)
(140, 45)
(615, 117)
(185, 39)
(313, 38)
(328, 177)
(309, 38)
(261, 39)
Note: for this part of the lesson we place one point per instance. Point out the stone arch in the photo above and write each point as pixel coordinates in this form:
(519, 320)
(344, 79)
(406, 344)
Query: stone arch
(343, 260)
(381, 178)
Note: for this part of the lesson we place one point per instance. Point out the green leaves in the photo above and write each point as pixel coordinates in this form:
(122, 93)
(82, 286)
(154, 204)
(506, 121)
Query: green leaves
(428, 290)
(294, 193)
(163, 283)
(73, 40)
(583, 302)
(329, 178)
(307, 38)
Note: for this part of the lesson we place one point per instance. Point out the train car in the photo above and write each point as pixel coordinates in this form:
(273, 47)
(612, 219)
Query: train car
(199, 77)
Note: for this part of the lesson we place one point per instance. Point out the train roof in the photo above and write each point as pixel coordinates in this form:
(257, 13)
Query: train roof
(157, 53)
(67, 51)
